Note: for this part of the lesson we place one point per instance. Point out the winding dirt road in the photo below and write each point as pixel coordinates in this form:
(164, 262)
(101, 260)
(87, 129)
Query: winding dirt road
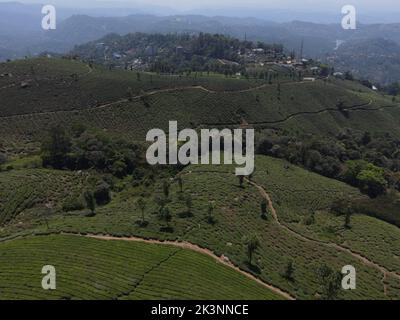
(193, 247)
(358, 256)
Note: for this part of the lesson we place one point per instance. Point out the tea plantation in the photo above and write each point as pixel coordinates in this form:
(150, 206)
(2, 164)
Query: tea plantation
(98, 269)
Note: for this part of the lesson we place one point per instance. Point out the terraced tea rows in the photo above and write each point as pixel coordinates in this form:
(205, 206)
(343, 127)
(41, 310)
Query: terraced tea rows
(298, 109)
(23, 189)
(237, 215)
(64, 85)
(97, 269)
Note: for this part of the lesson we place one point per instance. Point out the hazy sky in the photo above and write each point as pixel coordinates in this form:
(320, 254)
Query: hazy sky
(184, 5)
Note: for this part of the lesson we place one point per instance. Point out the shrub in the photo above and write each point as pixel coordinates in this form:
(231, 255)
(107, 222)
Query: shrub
(3, 158)
(330, 282)
(372, 181)
(90, 202)
(73, 203)
(119, 169)
(102, 193)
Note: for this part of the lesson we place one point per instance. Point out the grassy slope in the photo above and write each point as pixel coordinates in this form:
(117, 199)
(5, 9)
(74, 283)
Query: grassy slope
(297, 193)
(98, 269)
(294, 192)
(26, 188)
(57, 84)
(190, 106)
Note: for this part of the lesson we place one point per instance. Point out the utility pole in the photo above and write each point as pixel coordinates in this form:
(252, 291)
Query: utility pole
(301, 49)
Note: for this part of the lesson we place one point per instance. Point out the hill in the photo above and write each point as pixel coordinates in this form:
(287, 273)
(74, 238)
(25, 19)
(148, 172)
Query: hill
(97, 269)
(67, 92)
(293, 196)
(374, 59)
(174, 53)
(22, 35)
(288, 209)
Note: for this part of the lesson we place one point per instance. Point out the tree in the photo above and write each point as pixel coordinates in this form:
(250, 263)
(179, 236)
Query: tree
(252, 243)
(347, 219)
(353, 169)
(372, 180)
(278, 89)
(264, 209)
(166, 186)
(210, 213)
(180, 183)
(330, 282)
(348, 76)
(165, 216)
(47, 213)
(102, 193)
(56, 148)
(141, 203)
(90, 202)
(189, 204)
(366, 138)
(119, 169)
(241, 180)
(161, 203)
(288, 270)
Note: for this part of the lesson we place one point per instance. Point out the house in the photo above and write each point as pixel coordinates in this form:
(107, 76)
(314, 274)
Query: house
(338, 75)
(258, 51)
(151, 50)
(179, 50)
(117, 55)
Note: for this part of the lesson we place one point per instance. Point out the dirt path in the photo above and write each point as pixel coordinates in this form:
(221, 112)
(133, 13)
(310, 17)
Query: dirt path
(358, 256)
(359, 107)
(145, 94)
(193, 247)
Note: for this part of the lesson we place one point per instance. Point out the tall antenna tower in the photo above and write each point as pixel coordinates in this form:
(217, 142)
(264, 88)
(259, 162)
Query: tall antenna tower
(301, 49)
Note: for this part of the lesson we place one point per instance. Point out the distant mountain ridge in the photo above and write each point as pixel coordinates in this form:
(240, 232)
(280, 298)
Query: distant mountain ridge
(377, 59)
(21, 35)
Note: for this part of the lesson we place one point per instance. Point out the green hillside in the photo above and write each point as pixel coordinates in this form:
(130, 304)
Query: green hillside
(98, 269)
(285, 207)
(25, 189)
(63, 92)
(296, 194)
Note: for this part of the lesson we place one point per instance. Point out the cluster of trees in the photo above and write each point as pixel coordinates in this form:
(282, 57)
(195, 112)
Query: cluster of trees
(370, 162)
(174, 53)
(366, 176)
(85, 150)
(200, 53)
(163, 211)
(392, 89)
(175, 65)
